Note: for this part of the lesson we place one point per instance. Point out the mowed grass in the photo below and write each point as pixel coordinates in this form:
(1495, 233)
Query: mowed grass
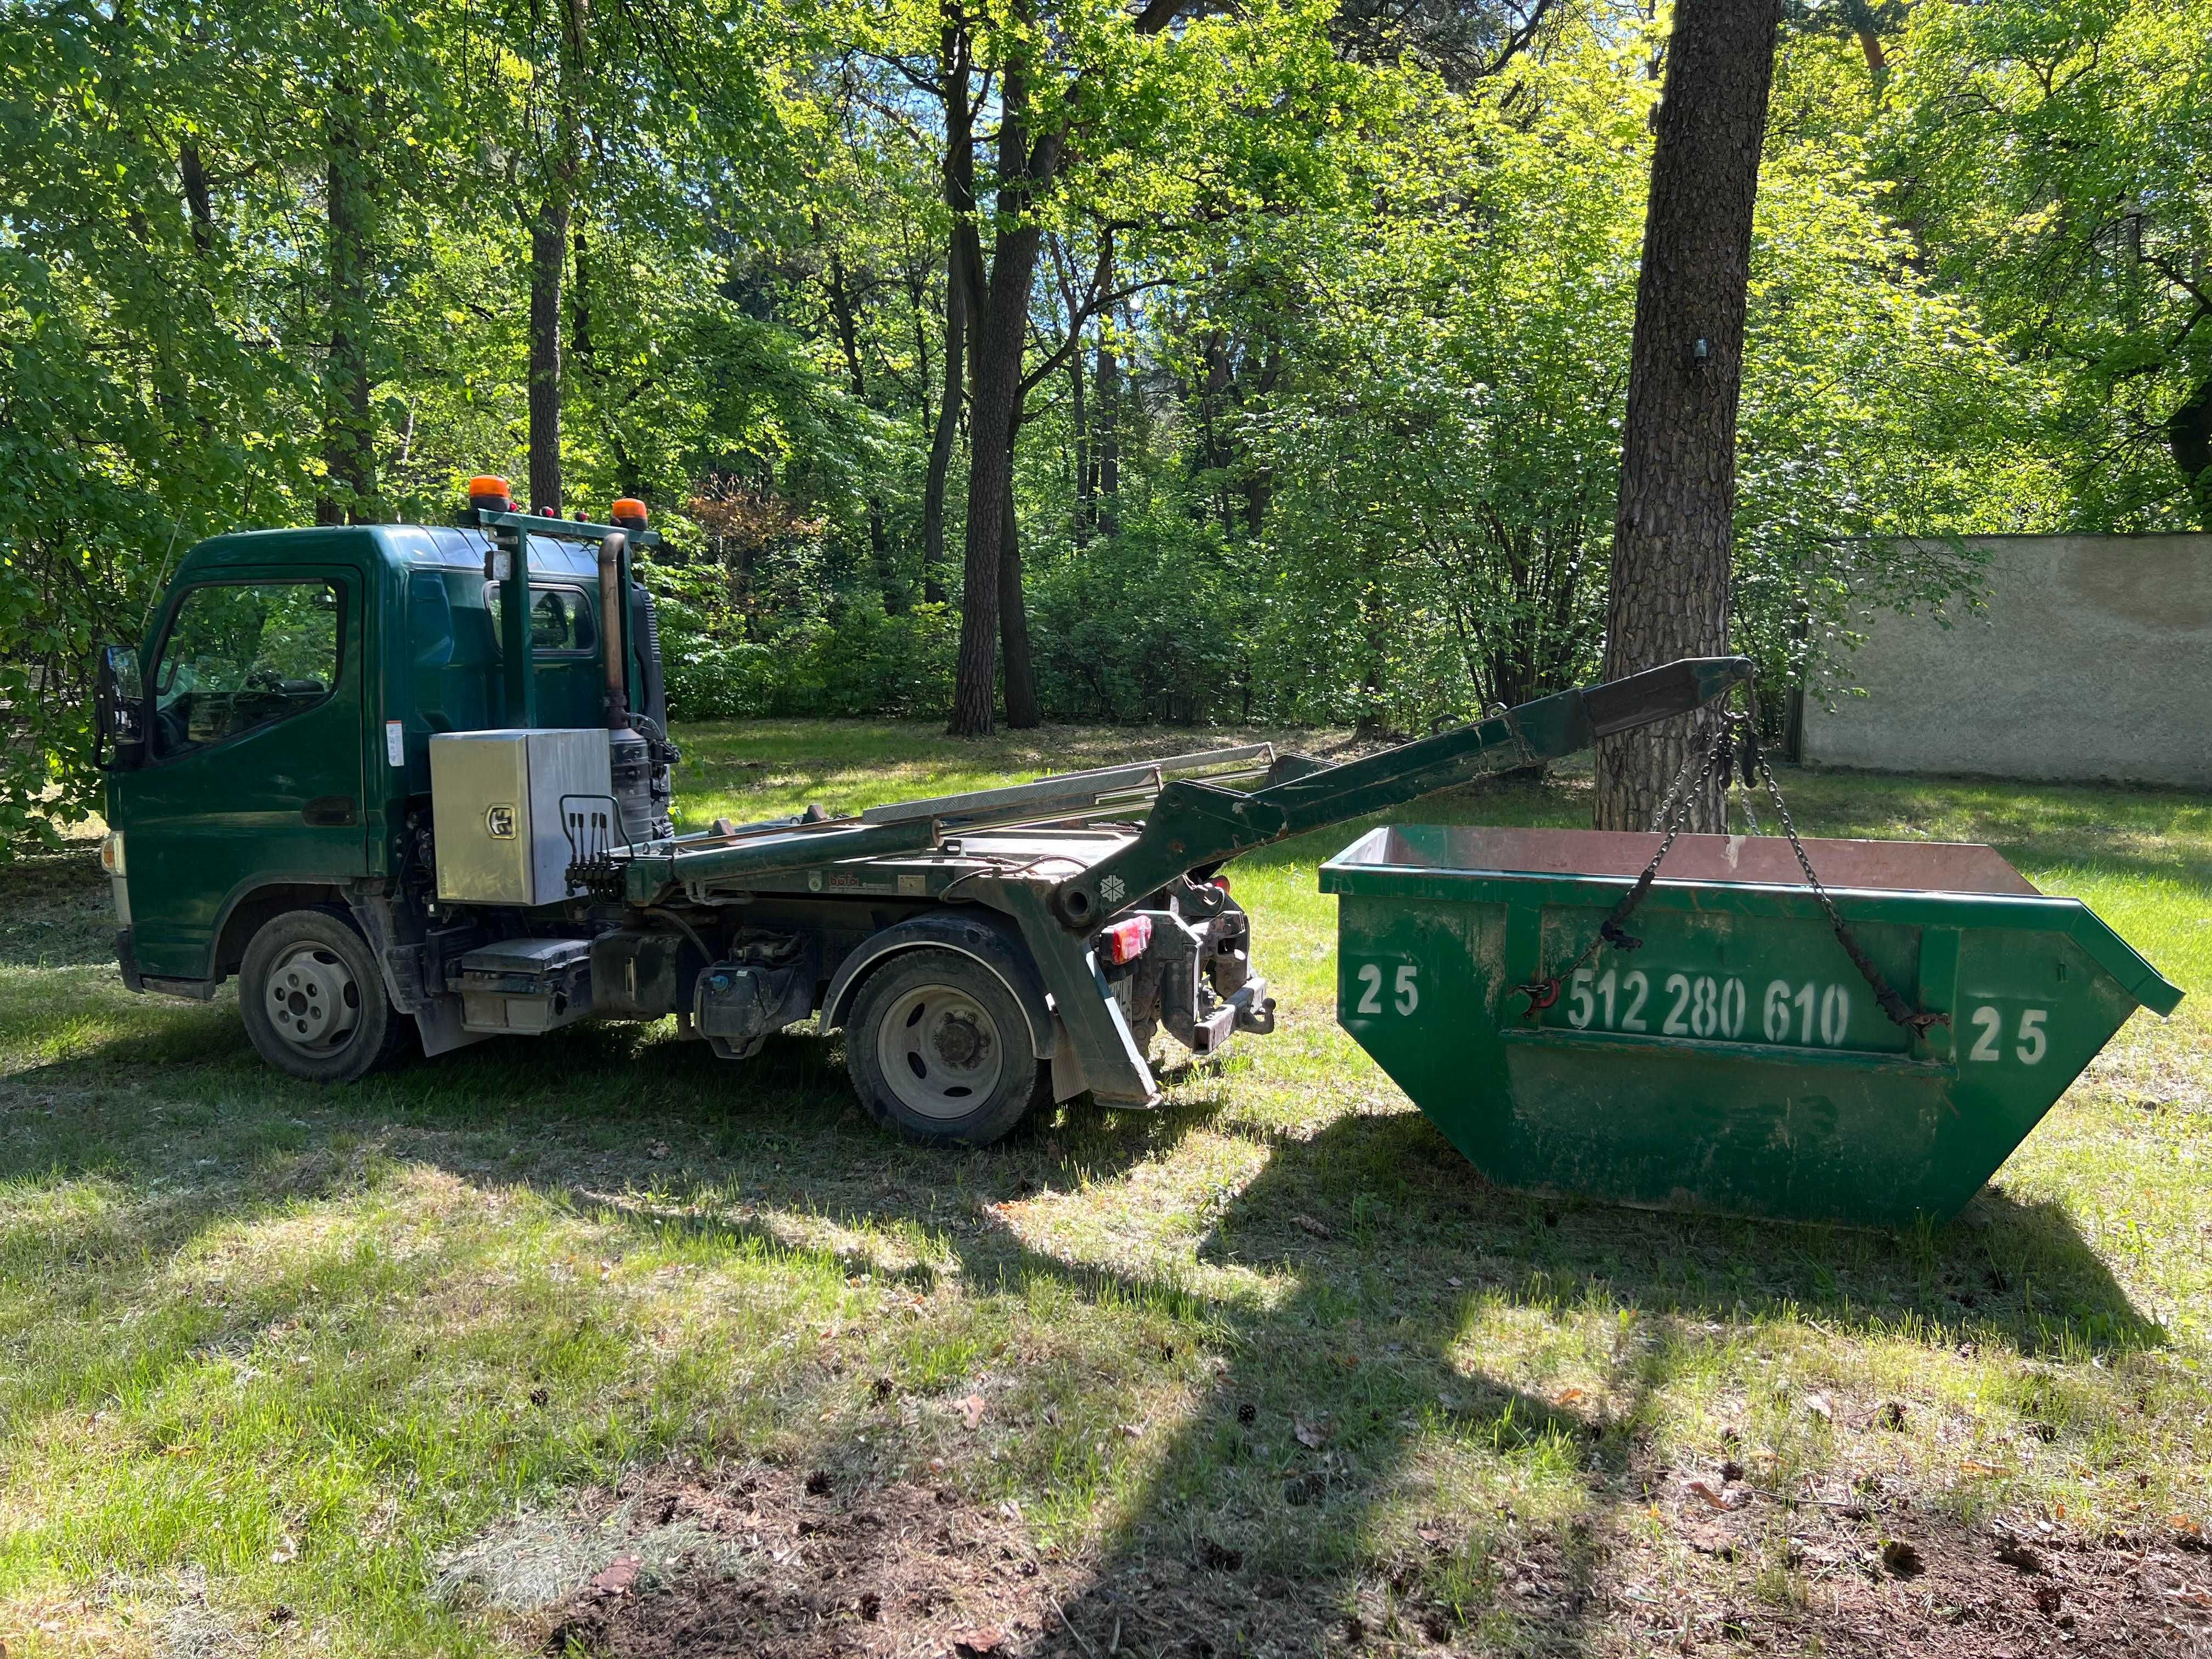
(269, 1352)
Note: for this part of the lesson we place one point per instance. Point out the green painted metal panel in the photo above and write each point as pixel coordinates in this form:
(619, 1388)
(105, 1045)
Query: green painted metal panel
(1735, 1061)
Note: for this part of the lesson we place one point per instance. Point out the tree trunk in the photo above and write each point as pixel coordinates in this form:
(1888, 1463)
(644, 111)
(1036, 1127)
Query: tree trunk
(1672, 528)
(192, 173)
(1080, 430)
(1022, 714)
(996, 346)
(349, 427)
(1001, 333)
(549, 256)
(948, 429)
(1106, 432)
(2189, 436)
(963, 290)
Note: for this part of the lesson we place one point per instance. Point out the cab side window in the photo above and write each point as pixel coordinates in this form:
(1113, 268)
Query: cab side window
(244, 654)
(560, 620)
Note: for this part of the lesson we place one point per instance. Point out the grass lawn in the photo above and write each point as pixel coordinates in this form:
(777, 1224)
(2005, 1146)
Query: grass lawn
(403, 1368)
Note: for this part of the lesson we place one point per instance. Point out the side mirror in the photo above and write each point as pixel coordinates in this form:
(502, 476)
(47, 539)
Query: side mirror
(118, 710)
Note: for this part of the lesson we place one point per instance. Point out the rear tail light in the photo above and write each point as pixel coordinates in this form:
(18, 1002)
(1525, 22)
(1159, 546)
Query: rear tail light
(1127, 940)
(1222, 881)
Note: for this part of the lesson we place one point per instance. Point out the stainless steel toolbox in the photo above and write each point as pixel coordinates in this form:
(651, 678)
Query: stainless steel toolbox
(496, 806)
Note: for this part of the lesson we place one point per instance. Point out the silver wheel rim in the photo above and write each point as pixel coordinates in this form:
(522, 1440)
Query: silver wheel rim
(940, 1051)
(312, 999)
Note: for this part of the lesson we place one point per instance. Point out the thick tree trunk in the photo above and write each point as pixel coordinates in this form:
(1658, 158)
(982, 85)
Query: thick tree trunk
(1671, 529)
(994, 402)
(349, 427)
(999, 337)
(1022, 713)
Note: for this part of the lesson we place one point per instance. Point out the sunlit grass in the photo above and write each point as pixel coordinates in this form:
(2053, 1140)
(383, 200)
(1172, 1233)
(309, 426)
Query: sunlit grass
(263, 1343)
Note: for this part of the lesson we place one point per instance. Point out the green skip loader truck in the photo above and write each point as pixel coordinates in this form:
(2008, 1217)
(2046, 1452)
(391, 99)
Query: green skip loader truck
(411, 785)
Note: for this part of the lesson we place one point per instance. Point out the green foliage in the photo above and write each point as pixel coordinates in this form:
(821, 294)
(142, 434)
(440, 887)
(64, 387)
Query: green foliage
(1341, 447)
(2054, 158)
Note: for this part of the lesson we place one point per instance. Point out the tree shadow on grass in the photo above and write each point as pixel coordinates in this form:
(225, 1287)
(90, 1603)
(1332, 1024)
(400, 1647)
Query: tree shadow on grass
(1437, 1402)
(1439, 1399)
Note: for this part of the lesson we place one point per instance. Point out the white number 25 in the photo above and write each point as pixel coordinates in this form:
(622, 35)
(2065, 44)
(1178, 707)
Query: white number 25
(1406, 987)
(2033, 1043)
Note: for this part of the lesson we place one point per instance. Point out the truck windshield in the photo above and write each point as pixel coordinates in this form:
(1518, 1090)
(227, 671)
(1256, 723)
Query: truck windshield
(242, 655)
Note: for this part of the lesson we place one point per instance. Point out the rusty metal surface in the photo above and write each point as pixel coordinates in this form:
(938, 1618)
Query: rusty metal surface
(1878, 865)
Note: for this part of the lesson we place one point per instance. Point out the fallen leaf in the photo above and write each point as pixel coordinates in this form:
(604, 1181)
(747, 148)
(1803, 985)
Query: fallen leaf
(2019, 1557)
(620, 1575)
(657, 1149)
(1133, 1429)
(982, 1640)
(1307, 1224)
(1312, 1436)
(1704, 1493)
(970, 1410)
(1816, 1404)
(288, 1549)
(1453, 1283)
(1566, 1396)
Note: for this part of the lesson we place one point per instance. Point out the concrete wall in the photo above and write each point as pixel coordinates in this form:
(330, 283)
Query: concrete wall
(2093, 660)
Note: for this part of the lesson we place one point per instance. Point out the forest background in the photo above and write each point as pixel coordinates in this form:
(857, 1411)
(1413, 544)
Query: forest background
(1248, 359)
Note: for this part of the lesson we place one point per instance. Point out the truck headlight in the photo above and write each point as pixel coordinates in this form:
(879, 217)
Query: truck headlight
(110, 853)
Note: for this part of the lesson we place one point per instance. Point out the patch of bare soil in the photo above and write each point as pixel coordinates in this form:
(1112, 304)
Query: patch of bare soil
(825, 1574)
(1876, 1577)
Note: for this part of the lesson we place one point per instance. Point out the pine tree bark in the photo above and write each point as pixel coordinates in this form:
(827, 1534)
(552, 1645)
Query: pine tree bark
(1673, 526)
(349, 427)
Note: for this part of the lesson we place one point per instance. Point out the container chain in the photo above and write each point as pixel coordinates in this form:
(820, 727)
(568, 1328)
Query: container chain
(1736, 738)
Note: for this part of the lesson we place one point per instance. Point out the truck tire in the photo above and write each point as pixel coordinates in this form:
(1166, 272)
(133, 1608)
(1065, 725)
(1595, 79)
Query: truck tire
(938, 1051)
(314, 1000)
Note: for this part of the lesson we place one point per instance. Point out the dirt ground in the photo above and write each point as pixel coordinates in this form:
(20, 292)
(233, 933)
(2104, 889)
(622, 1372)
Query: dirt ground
(904, 1569)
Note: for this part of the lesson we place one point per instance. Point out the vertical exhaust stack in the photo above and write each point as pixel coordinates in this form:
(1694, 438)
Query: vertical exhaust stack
(630, 757)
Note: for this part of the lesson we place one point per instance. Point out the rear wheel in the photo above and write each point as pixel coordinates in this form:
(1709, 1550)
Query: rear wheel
(313, 1001)
(939, 1050)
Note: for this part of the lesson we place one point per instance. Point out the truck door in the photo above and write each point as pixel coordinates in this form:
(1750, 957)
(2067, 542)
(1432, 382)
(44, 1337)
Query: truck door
(253, 765)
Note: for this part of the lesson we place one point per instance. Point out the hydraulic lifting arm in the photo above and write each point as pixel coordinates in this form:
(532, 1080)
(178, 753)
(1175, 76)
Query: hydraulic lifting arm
(1194, 826)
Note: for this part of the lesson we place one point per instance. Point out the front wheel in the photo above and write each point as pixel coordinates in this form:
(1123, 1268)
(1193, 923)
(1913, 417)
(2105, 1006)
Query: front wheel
(939, 1050)
(313, 1002)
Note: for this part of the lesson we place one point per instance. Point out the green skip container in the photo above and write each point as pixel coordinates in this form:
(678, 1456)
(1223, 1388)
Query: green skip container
(1736, 1061)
